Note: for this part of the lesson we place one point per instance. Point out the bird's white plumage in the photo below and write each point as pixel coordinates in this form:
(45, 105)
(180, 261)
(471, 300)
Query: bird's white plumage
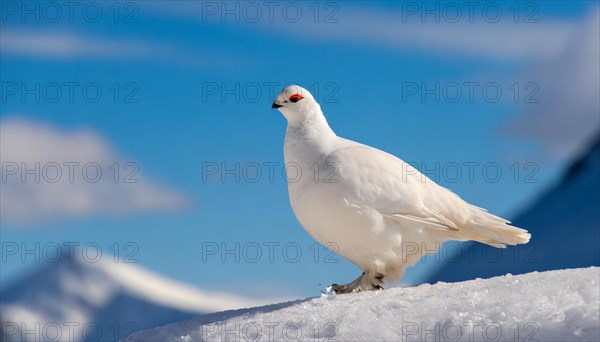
(378, 211)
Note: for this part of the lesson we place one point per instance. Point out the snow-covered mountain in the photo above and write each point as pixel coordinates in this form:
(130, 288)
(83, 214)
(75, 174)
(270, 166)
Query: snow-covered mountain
(549, 306)
(75, 300)
(565, 227)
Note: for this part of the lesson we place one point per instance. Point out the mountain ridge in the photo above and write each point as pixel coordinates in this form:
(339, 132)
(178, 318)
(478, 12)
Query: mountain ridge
(564, 224)
(73, 296)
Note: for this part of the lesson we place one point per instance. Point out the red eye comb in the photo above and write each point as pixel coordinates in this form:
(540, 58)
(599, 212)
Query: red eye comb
(296, 98)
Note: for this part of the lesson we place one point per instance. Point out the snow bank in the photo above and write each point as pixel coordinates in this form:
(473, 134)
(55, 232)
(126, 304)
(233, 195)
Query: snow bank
(548, 306)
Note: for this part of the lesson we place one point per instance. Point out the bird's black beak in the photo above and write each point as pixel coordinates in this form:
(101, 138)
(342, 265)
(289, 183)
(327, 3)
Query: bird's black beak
(275, 105)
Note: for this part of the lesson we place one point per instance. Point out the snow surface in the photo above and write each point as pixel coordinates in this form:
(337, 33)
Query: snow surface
(549, 306)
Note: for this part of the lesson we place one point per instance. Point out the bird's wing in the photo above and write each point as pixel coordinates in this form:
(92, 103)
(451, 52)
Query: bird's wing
(370, 177)
(373, 179)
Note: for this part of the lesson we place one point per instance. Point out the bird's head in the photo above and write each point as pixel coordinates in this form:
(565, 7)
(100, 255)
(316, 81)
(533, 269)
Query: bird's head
(296, 104)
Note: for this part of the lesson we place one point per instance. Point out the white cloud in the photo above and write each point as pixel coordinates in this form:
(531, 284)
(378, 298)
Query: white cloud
(501, 40)
(568, 113)
(471, 35)
(63, 189)
(69, 45)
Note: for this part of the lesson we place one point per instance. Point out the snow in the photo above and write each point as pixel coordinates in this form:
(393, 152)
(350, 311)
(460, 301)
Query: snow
(548, 306)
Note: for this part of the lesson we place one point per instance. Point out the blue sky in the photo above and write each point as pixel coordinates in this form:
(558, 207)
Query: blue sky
(164, 64)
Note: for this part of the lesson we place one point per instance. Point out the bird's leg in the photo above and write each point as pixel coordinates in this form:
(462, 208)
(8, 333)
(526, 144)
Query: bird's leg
(365, 282)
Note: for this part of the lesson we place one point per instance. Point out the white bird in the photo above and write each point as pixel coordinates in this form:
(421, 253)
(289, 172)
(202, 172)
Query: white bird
(369, 206)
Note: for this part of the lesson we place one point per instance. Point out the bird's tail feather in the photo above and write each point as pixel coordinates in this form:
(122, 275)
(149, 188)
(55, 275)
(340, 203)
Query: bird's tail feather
(498, 232)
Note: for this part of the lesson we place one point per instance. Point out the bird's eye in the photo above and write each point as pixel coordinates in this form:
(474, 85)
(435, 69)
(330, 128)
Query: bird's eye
(295, 98)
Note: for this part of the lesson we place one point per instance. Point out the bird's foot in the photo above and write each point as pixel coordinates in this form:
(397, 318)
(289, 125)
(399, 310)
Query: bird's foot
(365, 282)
